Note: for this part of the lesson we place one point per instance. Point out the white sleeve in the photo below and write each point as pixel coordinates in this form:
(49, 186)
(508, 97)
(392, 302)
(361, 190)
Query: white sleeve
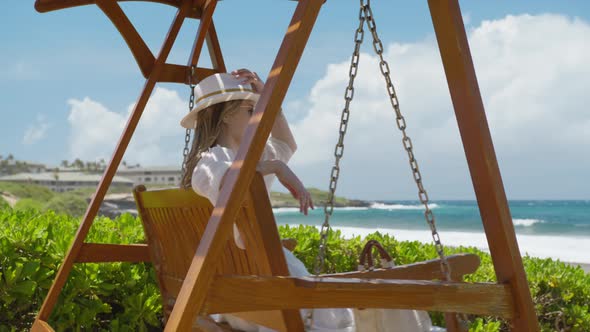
(277, 149)
(208, 173)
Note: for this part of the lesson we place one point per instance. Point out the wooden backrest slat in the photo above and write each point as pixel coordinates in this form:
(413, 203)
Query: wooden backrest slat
(175, 221)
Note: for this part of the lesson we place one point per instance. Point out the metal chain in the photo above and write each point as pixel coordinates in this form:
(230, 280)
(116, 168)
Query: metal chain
(187, 136)
(407, 142)
(339, 150)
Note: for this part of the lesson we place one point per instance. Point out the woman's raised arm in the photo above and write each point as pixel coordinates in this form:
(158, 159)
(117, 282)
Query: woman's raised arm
(280, 128)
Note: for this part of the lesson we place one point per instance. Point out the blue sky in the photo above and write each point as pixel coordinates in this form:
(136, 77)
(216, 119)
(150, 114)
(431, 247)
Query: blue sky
(53, 61)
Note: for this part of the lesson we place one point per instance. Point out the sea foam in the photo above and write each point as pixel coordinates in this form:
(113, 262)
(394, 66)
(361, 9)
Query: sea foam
(383, 206)
(526, 222)
(566, 249)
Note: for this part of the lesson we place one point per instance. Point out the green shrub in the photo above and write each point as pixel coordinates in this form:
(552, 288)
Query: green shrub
(125, 297)
(107, 297)
(67, 203)
(28, 204)
(3, 203)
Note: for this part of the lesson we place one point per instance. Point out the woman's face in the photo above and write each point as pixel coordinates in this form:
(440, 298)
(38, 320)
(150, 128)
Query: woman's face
(238, 121)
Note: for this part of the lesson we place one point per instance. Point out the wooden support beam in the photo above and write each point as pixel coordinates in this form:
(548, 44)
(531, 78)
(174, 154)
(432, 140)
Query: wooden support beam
(201, 273)
(41, 326)
(109, 173)
(251, 293)
(141, 52)
(215, 50)
(270, 250)
(481, 157)
(44, 6)
(103, 252)
(202, 32)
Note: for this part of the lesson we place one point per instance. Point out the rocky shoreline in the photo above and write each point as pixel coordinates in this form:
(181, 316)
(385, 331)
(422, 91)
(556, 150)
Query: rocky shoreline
(114, 205)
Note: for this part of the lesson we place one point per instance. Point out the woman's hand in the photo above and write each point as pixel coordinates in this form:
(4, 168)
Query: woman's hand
(249, 78)
(289, 180)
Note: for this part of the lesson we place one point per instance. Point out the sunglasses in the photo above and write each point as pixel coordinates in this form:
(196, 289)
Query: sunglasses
(250, 109)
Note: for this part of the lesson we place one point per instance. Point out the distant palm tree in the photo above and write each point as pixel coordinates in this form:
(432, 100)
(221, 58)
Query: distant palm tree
(56, 177)
(79, 164)
(65, 163)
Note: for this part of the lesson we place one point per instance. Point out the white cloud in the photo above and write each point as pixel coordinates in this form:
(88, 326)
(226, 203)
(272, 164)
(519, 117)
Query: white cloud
(533, 74)
(158, 138)
(36, 131)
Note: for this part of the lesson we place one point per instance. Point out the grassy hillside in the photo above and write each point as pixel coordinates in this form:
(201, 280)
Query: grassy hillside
(31, 196)
(318, 196)
(75, 202)
(32, 191)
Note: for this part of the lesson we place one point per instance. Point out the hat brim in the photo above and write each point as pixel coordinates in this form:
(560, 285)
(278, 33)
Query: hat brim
(190, 120)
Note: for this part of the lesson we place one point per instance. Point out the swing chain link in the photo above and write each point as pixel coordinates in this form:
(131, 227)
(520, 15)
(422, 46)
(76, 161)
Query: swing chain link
(191, 104)
(339, 150)
(407, 142)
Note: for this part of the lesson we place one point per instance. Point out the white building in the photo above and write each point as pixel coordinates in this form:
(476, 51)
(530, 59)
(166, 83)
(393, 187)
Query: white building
(66, 181)
(159, 175)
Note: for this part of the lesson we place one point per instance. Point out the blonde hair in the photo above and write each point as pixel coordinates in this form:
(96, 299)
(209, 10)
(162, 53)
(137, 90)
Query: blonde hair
(206, 133)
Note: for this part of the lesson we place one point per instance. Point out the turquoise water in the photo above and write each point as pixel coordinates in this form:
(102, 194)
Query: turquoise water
(570, 218)
(557, 229)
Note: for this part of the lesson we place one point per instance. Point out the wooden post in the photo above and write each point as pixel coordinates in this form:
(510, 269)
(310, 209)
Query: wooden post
(201, 272)
(481, 157)
(111, 169)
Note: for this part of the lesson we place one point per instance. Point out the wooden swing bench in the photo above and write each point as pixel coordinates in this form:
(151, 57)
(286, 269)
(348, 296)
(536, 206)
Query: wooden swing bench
(200, 271)
(254, 281)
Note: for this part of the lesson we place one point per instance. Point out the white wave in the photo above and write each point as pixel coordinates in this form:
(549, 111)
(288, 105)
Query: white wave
(351, 208)
(285, 210)
(321, 208)
(564, 248)
(383, 206)
(526, 222)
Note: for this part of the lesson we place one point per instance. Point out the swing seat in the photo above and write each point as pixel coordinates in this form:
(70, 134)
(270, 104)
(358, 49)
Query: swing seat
(254, 284)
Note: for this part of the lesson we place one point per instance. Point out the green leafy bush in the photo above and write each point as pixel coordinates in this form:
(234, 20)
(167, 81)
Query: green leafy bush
(68, 203)
(3, 204)
(28, 204)
(125, 297)
(106, 297)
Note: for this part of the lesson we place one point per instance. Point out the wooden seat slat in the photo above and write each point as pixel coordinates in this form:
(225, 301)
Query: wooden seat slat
(251, 293)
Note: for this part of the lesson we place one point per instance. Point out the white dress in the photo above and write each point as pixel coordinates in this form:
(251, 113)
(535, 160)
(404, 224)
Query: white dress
(206, 179)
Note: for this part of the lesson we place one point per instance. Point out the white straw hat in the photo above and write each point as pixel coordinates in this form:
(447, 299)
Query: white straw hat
(215, 89)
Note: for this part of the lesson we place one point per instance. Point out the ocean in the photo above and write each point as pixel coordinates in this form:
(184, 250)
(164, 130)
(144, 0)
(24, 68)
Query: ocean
(551, 228)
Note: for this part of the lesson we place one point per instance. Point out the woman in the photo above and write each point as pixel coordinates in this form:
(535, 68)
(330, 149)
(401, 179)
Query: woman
(223, 106)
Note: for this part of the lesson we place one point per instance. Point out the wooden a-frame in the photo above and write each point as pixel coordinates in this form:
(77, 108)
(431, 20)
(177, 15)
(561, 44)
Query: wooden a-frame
(469, 111)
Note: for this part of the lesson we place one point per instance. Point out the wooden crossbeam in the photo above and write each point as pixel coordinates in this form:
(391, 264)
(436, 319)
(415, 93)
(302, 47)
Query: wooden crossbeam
(179, 73)
(251, 293)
